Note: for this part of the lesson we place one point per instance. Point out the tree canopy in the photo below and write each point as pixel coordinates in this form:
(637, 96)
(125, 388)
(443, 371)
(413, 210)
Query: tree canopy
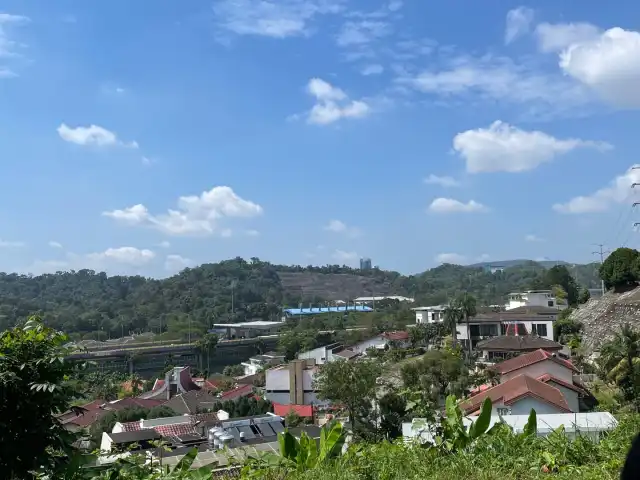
(621, 268)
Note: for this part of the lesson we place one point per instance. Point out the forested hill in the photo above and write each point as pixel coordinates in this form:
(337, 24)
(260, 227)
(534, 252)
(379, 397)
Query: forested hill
(86, 302)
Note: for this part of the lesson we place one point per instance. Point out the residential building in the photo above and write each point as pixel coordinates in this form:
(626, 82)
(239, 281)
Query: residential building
(591, 424)
(170, 426)
(322, 354)
(433, 314)
(128, 441)
(301, 312)
(365, 264)
(498, 348)
(193, 402)
(259, 362)
(518, 396)
(303, 411)
(176, 381)
(292, 384)
(83, 417)
(534, 298)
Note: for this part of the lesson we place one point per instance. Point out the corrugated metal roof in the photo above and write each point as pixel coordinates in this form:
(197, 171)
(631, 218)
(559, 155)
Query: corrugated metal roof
(317, 310)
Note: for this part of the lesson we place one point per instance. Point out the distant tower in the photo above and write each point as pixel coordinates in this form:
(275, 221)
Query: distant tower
(365, 264)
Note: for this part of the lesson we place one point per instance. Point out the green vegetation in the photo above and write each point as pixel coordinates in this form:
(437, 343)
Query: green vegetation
(90, 305)
(621, 268)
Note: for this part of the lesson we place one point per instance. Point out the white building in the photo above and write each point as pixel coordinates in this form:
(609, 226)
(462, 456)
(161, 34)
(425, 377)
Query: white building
(534, 298)
(493, 325)
(257, 363)
(369, 300)
(292, 384)
(433, 314)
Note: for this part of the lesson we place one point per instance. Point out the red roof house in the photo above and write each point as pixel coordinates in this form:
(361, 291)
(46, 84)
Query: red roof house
(304, 411)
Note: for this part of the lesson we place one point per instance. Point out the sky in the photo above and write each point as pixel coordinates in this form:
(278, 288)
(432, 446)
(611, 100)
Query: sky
(146, 137)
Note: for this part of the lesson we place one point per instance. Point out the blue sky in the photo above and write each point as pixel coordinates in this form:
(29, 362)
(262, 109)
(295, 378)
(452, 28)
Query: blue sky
(142, 139)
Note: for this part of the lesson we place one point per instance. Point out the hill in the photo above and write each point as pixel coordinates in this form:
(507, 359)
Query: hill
(519, 262)
(94, 305)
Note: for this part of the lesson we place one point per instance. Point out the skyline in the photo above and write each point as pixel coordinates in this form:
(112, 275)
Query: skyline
(142, 140)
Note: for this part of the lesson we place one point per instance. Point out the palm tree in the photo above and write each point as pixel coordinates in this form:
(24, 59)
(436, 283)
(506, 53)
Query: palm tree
(467, 304)
(620, 359)
(451, 317)
(209, 342)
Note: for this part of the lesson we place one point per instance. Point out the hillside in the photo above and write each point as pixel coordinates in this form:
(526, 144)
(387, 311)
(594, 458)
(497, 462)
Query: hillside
(94, 305)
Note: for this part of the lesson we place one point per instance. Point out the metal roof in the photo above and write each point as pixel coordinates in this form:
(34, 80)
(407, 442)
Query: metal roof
(317, 310)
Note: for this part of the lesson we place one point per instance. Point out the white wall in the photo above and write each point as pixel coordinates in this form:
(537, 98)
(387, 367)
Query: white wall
(375, 342)
(541, 368)
(524, 406)
(105, 444)
(534, 300)
(320, 355)
(277, 379)
(570, 396)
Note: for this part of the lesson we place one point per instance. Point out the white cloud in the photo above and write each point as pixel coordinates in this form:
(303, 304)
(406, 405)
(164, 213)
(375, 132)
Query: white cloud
(53, 244)
(164, 244)
(450, 205)
(609, 65)
(618, 191)
(533, 238)
(123, 255)
(504, 148)
(253, 233)
(196, 214)
(395, 5)
(93, 135)
(442, 181)
(483, 258)
(372, 69)
(272, 18)
(362, 32)
(518, 23)
(499, 79)
(10, 48)
(11, 244)
(338, 226)
(332, 104)
(454, 258)
(556, 37)
(176, 263)
(146, 161)
(344, 256)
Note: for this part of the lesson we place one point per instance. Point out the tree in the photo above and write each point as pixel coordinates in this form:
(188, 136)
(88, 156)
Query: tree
(452, 317)
(584, 296)
(467, 305)
(350, 383)
(621, 361)
(33, 388)
(393, 410)
(205, 345)
(618, 270)
(233, 370)
(559, 275)
(418, 334)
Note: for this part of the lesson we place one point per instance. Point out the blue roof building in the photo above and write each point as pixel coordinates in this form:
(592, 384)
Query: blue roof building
(321, 310)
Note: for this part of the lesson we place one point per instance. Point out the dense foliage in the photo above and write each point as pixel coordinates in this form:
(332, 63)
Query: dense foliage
(87, 304)
(621, 268)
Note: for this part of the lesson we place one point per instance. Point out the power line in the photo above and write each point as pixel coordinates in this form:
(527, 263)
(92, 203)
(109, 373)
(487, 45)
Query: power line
(602, 253)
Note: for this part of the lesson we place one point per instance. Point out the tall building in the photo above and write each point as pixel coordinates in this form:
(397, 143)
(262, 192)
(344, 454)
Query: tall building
(365, 264)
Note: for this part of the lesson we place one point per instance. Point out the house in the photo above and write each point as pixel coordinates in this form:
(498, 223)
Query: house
(518, 396)
(86, 415)
(322, 354)
(303, 411)
(257, 363)
(397, 338)
(292, 384)
(335, 351)
(549, 368)
(236, 393)
(534, 298)
(170, 426)
(177, 380)
(193, 402)
(591, 424)
(499, 348)
(131, 441)
(433, 314)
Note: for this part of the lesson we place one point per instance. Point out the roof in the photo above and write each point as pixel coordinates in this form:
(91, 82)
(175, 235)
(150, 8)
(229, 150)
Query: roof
(301, 410)
(396, 335)
(192, 402)
(537, 309)
(171, 426)
(134, 436)
(255, 324)
(531, 358)
(237, 392)
(346, 353)
(517, 343)
(515, 389)
(548, 378)
(317, 310)
(434, 307)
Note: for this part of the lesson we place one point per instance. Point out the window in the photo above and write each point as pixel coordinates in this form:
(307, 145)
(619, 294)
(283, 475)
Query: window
(474, 330)
(488, 330)
(539, 329)
(503, 411)
(550, 303)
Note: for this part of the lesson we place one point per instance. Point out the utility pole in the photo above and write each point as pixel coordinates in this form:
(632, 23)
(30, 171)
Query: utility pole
(602, 253)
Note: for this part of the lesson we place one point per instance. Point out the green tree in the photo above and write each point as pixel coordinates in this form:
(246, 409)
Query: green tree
(618, 270)
(621, 360)
(233, 370)
(33, 387)
(467, 305)
(584, 296)
(452, 317)
(559, 275)
(393, 410)
(206, 345)
(350, 383)
(418, 334)
(438, 373)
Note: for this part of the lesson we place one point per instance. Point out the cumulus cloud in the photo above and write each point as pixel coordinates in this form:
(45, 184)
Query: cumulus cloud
(372, 69)
(332, 104)
(338, 226)
(53, 244)
(608, 64)
(124, 255)
(618, 191)
(195, 215)
(272, 18)
(362, 32)
(454, 258)
(93, 135)
(450, 205)
(518, 23)
(533, 238)
(442, 181)
(504, 148)
(176, 263)
(344, 256)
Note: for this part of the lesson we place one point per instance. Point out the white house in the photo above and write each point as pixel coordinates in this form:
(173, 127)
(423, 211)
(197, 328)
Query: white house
(534, 298)
(292, 384)
(431, 314)
(334, 351)
(502, 323)
(255, 364)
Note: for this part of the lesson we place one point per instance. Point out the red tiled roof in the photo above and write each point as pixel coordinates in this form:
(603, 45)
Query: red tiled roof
(531, 358)
(396, 335)
(301, 410)
(513, 390)
(188, 426)
(546, 378)
(157, 385)
(131, 426)
(237, 392)
(132, 402)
